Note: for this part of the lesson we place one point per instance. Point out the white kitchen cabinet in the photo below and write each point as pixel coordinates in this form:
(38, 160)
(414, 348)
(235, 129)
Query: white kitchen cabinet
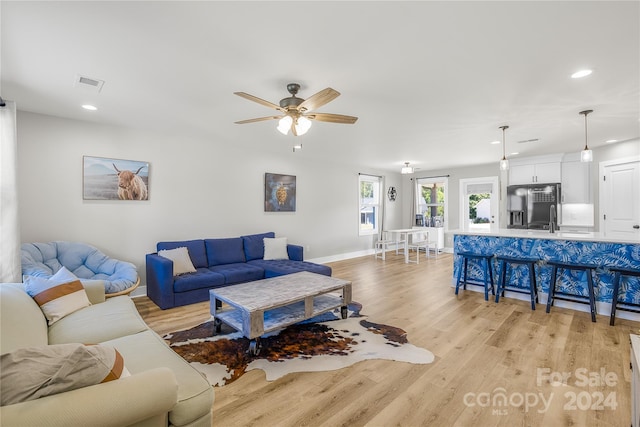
(534, 173)
(576, 182)
(635, 380)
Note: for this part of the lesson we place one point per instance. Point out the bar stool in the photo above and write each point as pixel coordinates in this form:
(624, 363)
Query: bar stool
(618, 272)
(485, 260)
(588, 269)
(505, 261)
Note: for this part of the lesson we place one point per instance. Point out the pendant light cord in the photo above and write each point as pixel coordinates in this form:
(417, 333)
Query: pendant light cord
(504, 154)
(586, 139)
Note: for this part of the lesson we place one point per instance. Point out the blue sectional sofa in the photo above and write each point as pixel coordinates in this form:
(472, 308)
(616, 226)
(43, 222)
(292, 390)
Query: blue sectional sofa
(218, 263)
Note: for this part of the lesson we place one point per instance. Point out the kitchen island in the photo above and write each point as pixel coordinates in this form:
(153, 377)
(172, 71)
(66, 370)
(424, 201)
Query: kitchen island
(576, 247)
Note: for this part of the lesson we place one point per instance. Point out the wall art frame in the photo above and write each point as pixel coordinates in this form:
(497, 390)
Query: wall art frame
(105, 178)
(279, 192)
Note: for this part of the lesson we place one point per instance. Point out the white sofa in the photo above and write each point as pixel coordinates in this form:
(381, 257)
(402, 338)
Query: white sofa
(163, 388)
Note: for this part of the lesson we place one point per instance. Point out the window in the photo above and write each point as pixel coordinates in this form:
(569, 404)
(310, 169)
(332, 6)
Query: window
(369, 208)
(431, 200)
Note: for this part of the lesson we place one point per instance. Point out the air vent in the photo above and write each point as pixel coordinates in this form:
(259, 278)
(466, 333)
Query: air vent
(88, 83)
(525, 141)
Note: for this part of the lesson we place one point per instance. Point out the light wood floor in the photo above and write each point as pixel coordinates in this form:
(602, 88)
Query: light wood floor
(482, 349)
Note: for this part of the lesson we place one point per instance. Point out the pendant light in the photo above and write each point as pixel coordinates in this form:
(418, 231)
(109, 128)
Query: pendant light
(406, 169)
(504, 163)
(586, 155)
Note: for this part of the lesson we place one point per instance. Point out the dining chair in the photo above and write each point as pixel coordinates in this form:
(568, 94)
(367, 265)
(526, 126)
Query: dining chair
(418, 241)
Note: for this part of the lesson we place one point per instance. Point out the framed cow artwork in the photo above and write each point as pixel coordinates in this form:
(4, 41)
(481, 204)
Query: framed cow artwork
(114, 179)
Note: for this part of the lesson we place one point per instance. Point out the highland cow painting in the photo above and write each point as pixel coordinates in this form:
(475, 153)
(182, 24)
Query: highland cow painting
(114, 179)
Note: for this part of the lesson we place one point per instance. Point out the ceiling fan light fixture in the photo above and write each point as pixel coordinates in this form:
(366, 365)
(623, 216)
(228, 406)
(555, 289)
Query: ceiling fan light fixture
(298, 113)
(284, 124)
(302, 125)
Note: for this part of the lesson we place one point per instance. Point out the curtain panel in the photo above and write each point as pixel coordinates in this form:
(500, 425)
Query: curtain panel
(10, 269)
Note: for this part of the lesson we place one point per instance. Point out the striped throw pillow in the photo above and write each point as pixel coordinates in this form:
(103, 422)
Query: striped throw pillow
(57, 296)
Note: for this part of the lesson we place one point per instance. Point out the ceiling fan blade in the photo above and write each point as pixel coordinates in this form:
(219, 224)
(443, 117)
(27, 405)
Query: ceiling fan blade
(332, 118)
(259, 119)
(258, 100)
(319, 99)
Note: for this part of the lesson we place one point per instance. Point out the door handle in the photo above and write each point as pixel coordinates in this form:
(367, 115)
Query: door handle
(636, 226)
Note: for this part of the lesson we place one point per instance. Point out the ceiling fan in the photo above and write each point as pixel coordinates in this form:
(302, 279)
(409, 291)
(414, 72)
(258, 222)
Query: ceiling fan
(297, 112)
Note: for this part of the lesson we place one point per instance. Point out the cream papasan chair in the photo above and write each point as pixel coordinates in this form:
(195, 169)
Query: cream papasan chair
(83, 260)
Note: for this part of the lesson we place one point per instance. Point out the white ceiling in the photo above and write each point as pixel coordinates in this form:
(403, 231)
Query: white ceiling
(431, 82)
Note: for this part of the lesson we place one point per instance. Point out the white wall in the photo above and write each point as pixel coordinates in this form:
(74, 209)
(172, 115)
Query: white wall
(197, 189)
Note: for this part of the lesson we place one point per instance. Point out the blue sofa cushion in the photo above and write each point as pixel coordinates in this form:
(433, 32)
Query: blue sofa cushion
(196, 250)
(254, 245)
(224, 251)
(239, 272)
(280, 267)
(202, 278)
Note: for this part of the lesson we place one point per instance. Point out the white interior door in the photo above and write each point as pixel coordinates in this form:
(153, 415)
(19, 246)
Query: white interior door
(620, 199)
(479, 203)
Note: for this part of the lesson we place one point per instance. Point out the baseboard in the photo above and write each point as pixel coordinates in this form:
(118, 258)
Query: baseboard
(341, 257)
(140, 291)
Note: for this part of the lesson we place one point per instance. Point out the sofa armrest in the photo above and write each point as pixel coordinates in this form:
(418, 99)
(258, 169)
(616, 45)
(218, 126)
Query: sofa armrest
(122, 402)
(95, 290)
(295, 252)
(160, 280)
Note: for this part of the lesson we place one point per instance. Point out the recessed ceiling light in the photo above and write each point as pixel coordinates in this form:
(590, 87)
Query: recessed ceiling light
(89, 107)
(611, 141)
(515, 153)
(581, 73)
(494, 142)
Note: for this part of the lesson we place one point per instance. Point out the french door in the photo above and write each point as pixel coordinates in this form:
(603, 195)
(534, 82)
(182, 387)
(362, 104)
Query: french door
(479, 203)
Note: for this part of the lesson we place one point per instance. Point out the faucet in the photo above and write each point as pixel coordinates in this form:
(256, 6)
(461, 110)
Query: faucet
(552, 219)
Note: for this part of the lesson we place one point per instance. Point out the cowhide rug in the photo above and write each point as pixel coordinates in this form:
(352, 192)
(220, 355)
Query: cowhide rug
(324, 343)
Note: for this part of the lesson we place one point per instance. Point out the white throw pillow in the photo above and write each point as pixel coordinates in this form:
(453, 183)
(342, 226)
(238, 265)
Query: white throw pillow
(181, 261)
(275, 248)
(58, 295)
(33, 372)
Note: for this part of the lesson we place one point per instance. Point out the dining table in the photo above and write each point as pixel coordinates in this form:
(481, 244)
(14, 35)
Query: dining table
(402, 236)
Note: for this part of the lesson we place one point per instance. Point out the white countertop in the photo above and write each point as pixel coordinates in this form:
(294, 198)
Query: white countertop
(586, 236)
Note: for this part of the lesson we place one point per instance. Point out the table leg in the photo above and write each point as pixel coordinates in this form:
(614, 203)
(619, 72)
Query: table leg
(406, 248)
(344, 312)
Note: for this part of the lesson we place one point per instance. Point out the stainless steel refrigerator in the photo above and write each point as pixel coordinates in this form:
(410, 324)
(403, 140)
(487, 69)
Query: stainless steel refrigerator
(534, 206)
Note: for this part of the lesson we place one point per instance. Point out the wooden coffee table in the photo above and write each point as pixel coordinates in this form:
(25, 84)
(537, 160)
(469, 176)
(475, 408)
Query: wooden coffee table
(262, 306)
